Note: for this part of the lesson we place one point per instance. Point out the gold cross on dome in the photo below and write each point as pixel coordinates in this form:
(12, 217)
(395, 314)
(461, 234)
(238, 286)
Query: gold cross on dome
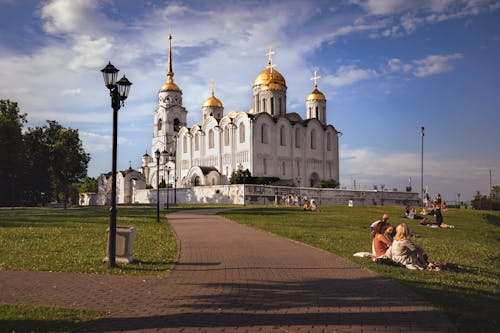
(315, 78)
(270, 58)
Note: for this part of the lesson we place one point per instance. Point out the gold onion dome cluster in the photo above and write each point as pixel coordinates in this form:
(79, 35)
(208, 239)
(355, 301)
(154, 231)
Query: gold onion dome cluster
(212, 101)
(270, 80)
(315, 95)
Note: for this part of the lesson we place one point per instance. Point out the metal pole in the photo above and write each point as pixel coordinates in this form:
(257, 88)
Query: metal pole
(115, 103)
(168, 183)
(157, 190)
(422, 170)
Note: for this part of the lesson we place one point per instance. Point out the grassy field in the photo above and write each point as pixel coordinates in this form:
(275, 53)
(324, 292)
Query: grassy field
(469, 291)
(75, 240)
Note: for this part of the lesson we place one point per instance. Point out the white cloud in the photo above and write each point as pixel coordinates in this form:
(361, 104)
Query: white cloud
(396, 65)
(88, 53)
(75, 17)
(370, 167)
(69, 92)
(347, 75)
(435, 64)
(384, 7)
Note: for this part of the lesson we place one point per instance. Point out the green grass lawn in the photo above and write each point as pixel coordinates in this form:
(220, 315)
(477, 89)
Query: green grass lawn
(75, 240)
(469, 291)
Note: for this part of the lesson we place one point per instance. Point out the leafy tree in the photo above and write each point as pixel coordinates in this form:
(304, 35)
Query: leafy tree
(38, 188)
(241, 176)
(58, 161)
(89, 184)
(11, 151)
(330, 183)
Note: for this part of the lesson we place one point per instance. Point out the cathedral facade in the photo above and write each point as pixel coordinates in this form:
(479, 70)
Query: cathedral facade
(266, 140)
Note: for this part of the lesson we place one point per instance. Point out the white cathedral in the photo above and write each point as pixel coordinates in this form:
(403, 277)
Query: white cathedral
(266, 140)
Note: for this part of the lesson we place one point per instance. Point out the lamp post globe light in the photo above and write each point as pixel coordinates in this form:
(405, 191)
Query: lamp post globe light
(119, 93)
(157, 156)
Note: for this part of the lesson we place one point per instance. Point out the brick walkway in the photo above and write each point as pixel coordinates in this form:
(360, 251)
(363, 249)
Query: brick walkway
(231, 278)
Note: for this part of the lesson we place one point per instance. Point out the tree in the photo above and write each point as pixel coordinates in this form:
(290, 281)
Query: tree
(11, 151)
(89, 184)
(58, 161)
(330, 183)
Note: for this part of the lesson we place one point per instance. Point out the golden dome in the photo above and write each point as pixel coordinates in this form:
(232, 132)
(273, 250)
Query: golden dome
(169, 86)
(270, 80)
(315, 95)
(212, 101)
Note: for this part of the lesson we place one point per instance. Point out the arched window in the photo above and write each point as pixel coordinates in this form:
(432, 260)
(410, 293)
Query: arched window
(297, 138)
(197, 142)
(313, 139)
(226, 136)
(279, 106)
(160, 124)
(184, 144)
(263, 133)
(177, 125)
(242, 133)
(272, 106)
(282, 136)
(328, 141)
(211, 138)
(316, 112)
(283, 168)
(263, 105)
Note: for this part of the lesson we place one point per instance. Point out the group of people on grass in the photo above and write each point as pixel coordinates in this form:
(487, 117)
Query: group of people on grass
(438, 206)
(311, 205)
(394, 246)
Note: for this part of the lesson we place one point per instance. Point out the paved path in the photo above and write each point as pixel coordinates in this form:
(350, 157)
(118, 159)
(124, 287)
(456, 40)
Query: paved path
(231, 278)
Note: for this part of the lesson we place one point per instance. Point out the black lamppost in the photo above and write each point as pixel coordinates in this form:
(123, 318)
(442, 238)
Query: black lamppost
(422, 168)
(119, 93)
(298, 182)
(168, 184)
(157, 156)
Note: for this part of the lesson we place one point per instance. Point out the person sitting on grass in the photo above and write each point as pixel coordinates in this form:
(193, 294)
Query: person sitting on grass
(314, 206)
(380, 242)
(306, 205)
(404, 251)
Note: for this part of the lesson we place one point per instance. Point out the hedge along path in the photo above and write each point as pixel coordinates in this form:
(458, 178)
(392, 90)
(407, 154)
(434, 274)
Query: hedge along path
(232, 278)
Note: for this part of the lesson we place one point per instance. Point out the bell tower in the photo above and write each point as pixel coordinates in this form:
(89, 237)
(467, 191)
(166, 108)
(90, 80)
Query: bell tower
(169, 114)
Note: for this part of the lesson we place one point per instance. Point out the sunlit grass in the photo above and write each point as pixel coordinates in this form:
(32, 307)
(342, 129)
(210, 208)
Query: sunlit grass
(469, 291)
(75, 240)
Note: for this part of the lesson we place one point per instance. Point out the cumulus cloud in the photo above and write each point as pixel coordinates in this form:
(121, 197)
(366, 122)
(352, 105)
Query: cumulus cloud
(347, 75)
(435, 64)
(75, 17)
(369, 166)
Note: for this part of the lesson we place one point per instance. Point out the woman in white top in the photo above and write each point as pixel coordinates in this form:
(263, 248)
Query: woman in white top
(405, 252)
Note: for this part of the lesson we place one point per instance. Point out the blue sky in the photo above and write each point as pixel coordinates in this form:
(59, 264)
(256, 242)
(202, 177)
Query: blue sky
(387, 68)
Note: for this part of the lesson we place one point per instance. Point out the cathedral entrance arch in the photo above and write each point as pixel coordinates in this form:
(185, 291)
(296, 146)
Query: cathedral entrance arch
(313, 179)
(201, 175)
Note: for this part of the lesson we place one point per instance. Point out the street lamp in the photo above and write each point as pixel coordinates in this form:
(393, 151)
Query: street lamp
(298, 182)
(168, 184)
(119, 93)
(422, 169)
(157, 156)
